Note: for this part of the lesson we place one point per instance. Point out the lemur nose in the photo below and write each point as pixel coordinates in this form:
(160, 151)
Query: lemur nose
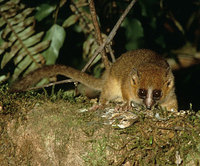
(149, 103)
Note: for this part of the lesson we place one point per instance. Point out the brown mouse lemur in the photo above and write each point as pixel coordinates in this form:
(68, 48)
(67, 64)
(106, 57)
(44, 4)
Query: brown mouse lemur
(140, 76)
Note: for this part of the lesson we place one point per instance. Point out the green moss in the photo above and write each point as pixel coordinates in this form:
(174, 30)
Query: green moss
(154, 138)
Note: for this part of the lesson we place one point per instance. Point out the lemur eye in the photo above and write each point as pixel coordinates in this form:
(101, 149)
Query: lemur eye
(157, 94)
(142, 93)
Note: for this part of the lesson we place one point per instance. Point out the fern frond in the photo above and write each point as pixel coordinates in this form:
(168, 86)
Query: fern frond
(21, 44)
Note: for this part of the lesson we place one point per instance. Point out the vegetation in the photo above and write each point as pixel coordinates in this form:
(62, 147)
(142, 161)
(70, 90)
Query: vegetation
(45, 129)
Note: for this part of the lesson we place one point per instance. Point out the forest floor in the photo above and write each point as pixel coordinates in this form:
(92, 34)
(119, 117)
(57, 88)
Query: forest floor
(60, 129)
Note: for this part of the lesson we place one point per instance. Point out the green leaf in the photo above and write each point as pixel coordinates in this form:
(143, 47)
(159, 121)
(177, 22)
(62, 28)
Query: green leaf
(1, 40)
(87, 46)
(56, 34)
(7, 6)
(43, 11)
(26, 65)
(23, 25)
(33, 40)
(2, 22)
(21, 67)
(70, 21)
(34, 50)
(134, 33)
(9, 55)
(33, 66)
(3, 78)
(25, 34)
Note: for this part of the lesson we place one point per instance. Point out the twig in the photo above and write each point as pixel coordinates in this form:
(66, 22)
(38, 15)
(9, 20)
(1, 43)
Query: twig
(110, 36)
(56, 13)
(98, 33)
(111, 53)
(50, 84)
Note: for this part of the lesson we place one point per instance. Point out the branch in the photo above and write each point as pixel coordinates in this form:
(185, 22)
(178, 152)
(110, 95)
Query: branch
(98, 33)
(111, 53)
(111, 35)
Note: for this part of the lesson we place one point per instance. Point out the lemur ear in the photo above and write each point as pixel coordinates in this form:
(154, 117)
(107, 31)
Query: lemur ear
(134, 76)
(169, 83)
(168, 71)
(170, 78)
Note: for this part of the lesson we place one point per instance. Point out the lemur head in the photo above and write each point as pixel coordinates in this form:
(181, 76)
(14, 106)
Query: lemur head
(151, 84)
